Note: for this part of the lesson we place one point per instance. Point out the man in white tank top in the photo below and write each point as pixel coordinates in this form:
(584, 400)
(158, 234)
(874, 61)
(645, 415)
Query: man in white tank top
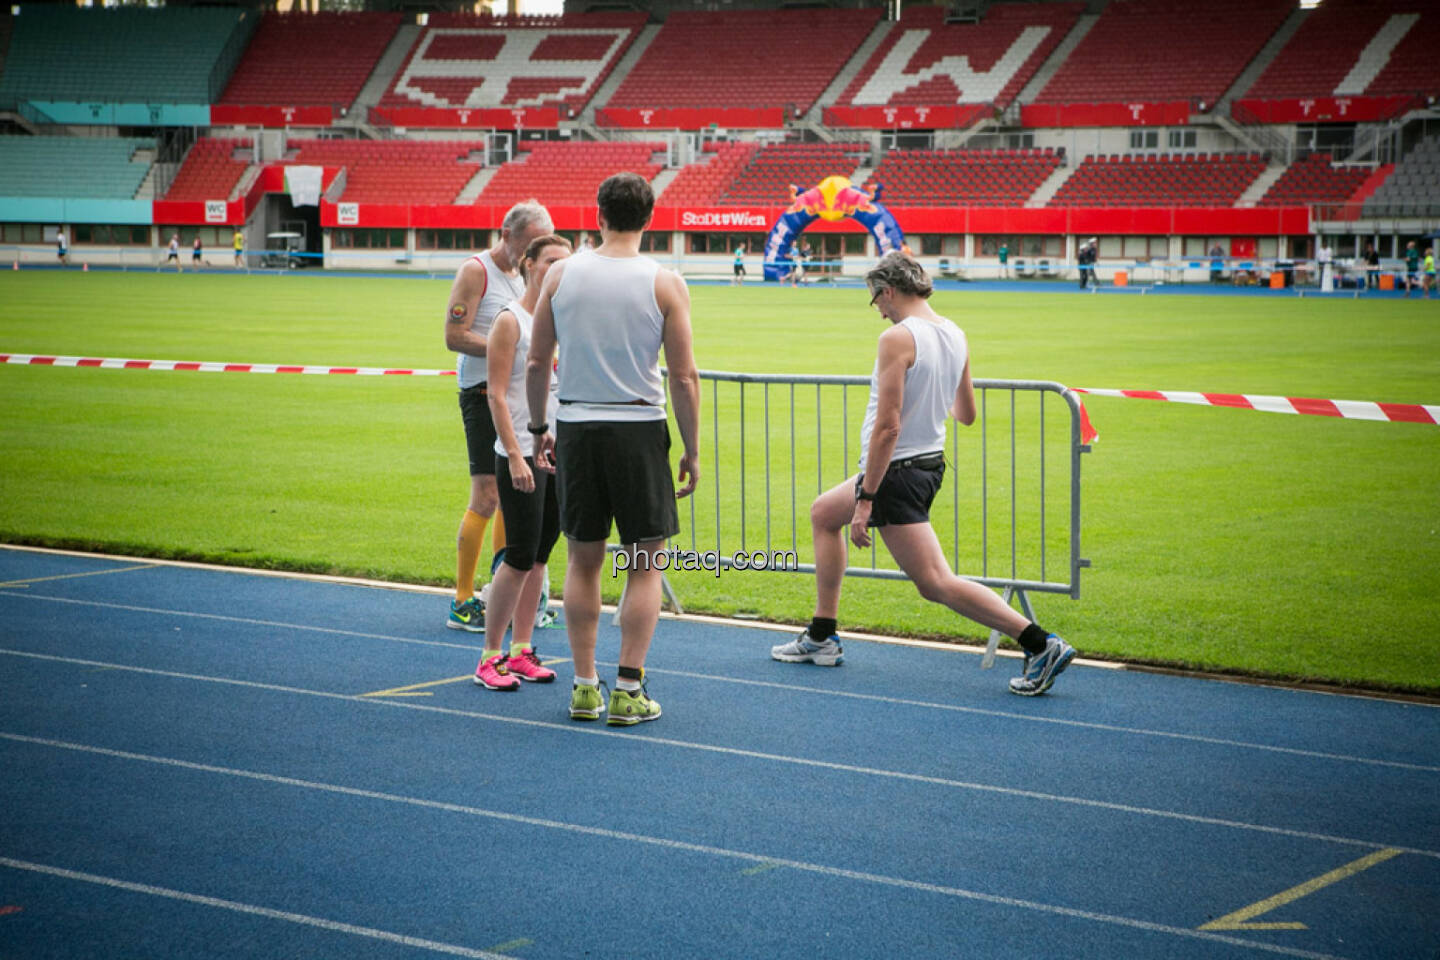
(922, 374)
(611, 311)
(483, 286)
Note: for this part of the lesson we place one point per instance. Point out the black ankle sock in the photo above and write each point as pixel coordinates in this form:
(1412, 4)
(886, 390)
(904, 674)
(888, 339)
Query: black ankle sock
(1032, 639)
(822, 627)
(630, 673)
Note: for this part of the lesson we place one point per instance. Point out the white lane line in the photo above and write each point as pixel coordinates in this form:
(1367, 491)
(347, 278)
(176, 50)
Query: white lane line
(248, 621)
(334, 926)
(899, 701)
(579, 730)
(669, 844)
(1058, 721)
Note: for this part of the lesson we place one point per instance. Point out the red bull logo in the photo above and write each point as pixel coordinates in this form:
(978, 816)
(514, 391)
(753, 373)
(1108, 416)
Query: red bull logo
(834, 199)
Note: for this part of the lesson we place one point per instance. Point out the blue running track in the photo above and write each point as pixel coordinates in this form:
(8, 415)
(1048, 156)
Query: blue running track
(215, 764)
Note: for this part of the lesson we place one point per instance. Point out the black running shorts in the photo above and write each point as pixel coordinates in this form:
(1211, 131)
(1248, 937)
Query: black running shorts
(612, 471)
(479, 429)
(532, 520)
(907, 491)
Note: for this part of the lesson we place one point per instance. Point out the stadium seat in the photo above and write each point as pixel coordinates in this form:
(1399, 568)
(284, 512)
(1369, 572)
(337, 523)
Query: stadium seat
(1152, 50)
(930, 75)
(564, 174)
(310, 58)
(462, 60)
(752, 58)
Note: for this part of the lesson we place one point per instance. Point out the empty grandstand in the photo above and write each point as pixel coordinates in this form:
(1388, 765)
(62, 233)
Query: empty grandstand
(1160, 180)
(941, 178)
(751, 58)
(310, 58)
(122, 55)
(211, 171)
(1152, 50)
(568, 173)
(102, 167)
(767, 178)
(394, 171)
(460, 61)
(924, 61)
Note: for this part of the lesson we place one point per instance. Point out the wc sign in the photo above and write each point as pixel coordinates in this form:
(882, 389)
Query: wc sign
(347, 214)
(215, 211)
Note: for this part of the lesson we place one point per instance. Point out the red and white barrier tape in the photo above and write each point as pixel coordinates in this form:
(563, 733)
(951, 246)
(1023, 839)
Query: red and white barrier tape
(1348, 409)
(113, 363)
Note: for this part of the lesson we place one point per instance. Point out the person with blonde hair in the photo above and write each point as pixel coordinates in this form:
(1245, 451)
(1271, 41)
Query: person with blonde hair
(922, 374)
(484, 285)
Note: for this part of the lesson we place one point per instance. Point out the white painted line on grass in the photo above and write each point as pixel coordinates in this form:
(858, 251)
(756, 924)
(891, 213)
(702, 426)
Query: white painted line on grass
(579, 730)
(333, 926)
(678, 845)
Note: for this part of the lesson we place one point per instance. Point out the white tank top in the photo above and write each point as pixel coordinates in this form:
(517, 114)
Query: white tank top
(930, 386)
(610, 331)
(515, 389)
(500, 289)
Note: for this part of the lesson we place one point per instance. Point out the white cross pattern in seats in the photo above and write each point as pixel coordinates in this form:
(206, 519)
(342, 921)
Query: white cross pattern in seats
(515, 59)
(975, 86)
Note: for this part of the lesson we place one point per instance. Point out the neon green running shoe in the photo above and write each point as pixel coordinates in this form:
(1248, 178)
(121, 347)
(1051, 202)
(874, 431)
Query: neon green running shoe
(629, 707)
(585, 702)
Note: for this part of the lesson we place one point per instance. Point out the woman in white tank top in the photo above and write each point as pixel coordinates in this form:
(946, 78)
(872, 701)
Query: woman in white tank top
(524, 484)
(922, 374)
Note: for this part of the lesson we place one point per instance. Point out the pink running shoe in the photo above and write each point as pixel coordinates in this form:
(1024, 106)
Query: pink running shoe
(495, 675)
(526, 666)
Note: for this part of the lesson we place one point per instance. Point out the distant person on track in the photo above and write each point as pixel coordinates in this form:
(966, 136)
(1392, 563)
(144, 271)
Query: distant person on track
(172, 252)
(1005, 261)
(484, 285)
(922, 373)
(611, 311)
(525, 483)
(1086, 261)
(1372, 267)
(1412, 268)
(62, 247)
(197, 254)
(239, 242)
(738, 280)
(1429, 271)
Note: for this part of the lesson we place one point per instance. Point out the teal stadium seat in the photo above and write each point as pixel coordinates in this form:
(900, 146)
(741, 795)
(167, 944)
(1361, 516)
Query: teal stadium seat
(120, 55)
(103, 167)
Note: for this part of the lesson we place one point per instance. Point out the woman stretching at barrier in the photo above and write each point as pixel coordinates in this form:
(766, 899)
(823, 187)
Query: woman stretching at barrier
(525, 484)
(922, 373)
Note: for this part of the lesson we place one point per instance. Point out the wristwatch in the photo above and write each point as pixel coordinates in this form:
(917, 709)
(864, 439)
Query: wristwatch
(860, 494)
(539, 431)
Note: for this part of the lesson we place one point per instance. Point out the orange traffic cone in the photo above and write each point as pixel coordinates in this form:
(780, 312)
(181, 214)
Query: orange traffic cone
(85, 268)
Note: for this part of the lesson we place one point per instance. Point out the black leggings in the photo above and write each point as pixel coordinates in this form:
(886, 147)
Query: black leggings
(532, 520)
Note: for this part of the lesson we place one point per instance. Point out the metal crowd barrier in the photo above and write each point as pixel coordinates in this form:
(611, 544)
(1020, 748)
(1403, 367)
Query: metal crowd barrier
(766, 438)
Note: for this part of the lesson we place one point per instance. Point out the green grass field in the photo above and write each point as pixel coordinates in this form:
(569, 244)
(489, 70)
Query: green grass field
(1284, 546)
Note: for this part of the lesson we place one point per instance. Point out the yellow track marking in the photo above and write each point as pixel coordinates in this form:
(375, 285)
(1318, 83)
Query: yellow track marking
(1239, 920)
(409, 691)
(71, 576)
(418, 689)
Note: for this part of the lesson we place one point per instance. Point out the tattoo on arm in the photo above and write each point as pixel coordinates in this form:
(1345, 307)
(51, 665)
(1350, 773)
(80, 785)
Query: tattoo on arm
(458, 313)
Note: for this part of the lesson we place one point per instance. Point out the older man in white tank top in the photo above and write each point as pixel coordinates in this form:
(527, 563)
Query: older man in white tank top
(611, 311)
(483, 286)
(922, 374)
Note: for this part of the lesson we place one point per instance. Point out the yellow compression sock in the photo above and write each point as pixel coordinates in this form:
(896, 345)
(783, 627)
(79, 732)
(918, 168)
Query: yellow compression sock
(497, 533)
(467, 553)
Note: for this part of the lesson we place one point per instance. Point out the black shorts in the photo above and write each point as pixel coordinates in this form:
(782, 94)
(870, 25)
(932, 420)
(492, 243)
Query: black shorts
(532, 520)
(479, 429)
(739, 269)
(909, 487)
(616, 471)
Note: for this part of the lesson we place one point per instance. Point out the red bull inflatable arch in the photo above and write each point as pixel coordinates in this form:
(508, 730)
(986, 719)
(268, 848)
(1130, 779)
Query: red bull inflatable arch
(833, 199)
